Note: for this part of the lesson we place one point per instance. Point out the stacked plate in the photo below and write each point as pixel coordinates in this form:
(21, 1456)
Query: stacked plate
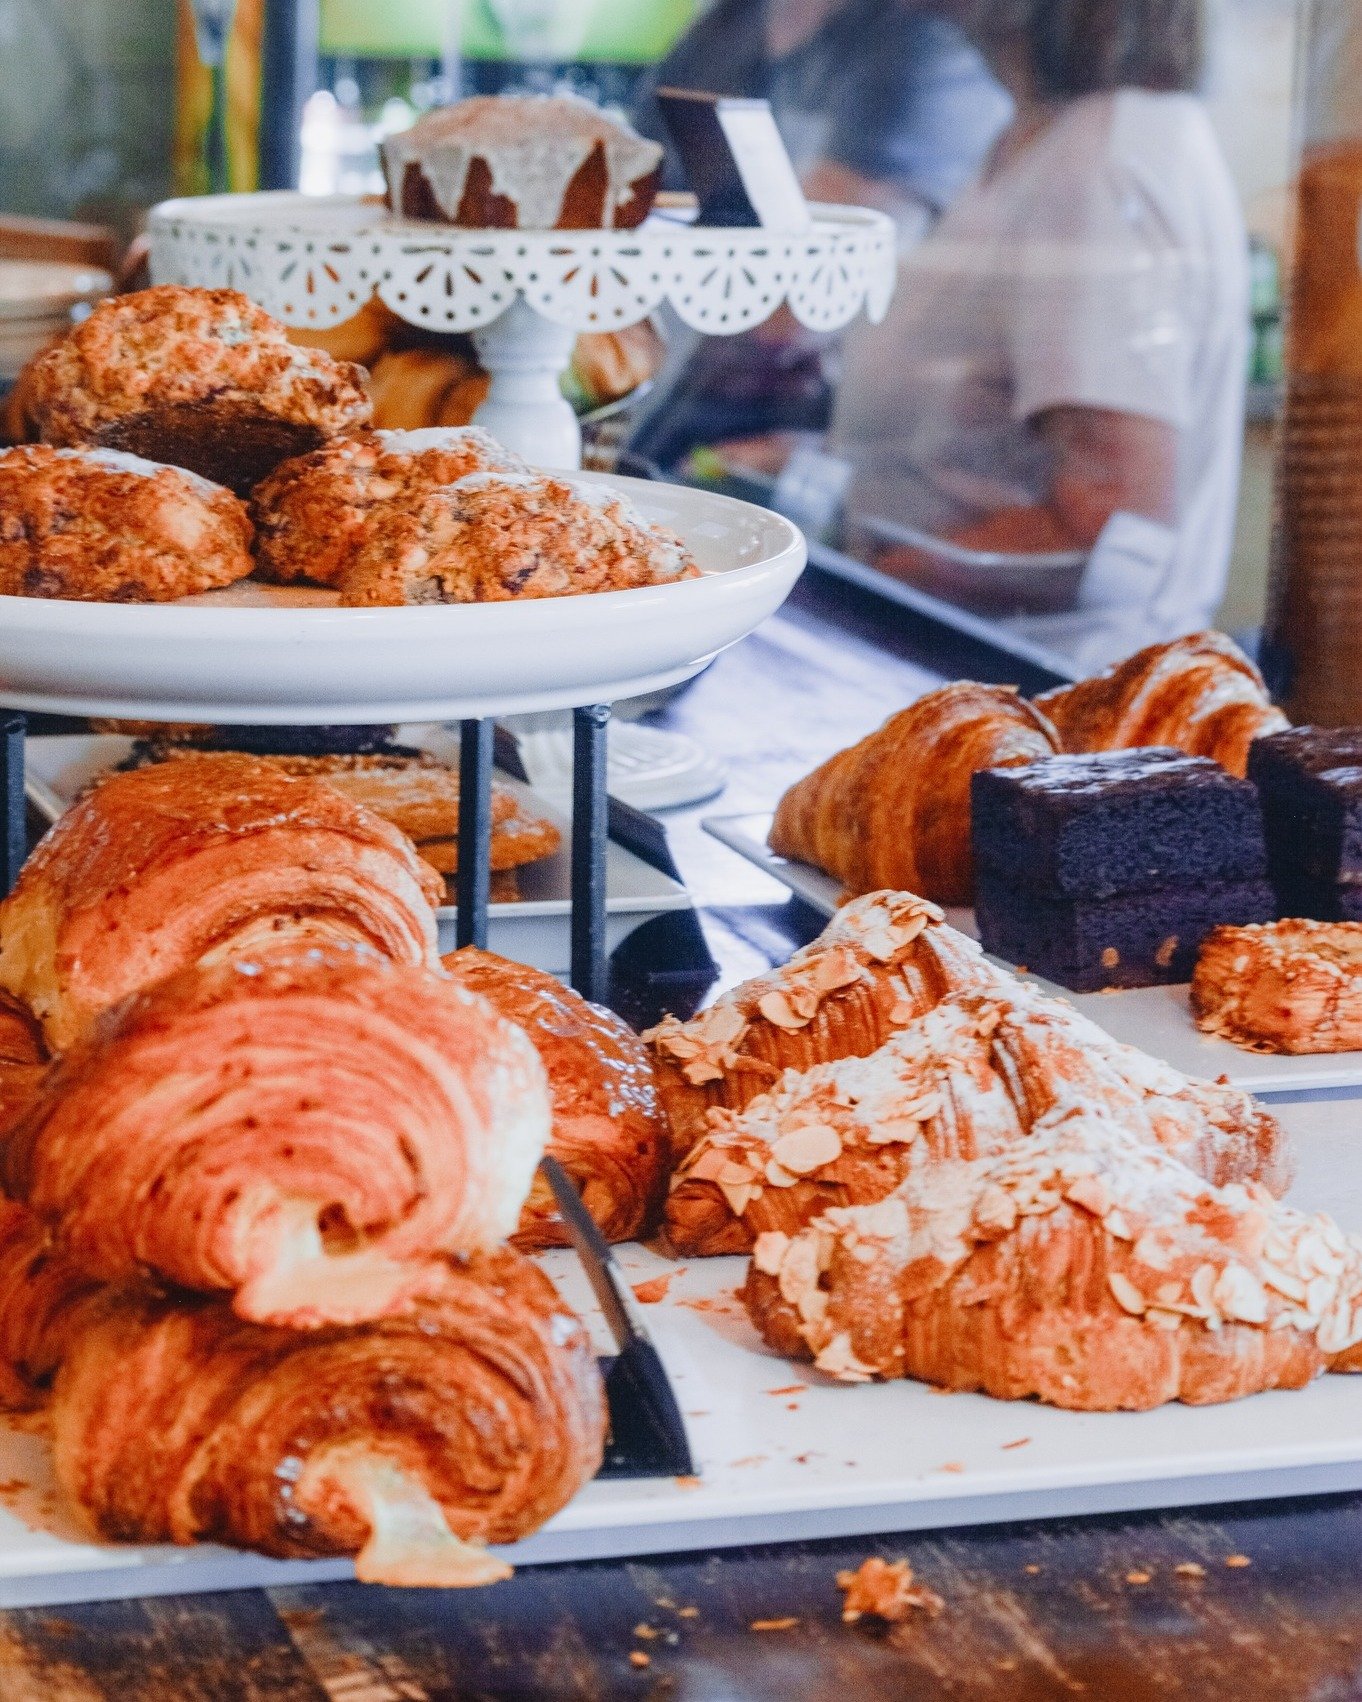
(36, 301)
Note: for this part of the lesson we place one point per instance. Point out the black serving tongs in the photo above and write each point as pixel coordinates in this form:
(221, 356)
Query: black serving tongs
(647, 1433)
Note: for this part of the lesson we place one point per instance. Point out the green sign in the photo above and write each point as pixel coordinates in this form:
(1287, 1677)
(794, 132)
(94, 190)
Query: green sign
(617, 32)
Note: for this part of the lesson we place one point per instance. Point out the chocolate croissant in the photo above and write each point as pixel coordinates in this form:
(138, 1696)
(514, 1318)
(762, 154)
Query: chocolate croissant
(894, 810)
(882, 960)
(468, 1418)
(607, 1131)
(966, 1081)
(1080, 1267)
(1199, 694)
(302, 1131)
(214, 855)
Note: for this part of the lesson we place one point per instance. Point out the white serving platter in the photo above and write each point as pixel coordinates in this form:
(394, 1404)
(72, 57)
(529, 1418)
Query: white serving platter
(783, 1454)
(261, 654)
(535, 929)
(1156, 1019)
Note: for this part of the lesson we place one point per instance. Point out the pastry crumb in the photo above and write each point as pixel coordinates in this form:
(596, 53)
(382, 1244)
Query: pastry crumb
(1138, 1577)
(1190, 1569)
(655, 1289)
(637, 1658)
(646, 1632)
(1021, 1442)
(885, 1590)
(688, 1613)
(687, 1482)
(789, 1389)
(774, 1624)
(1032, 1570)
(1237, 1560)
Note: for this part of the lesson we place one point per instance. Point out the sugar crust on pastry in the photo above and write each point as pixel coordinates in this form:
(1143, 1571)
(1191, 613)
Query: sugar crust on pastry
(311, 513)
(492, 537)
(95, 525)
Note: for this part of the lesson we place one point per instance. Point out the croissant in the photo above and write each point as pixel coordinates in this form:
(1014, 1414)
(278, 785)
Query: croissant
(469, 1418)
(1199, 694)
(44, 1302)
(212, 855)
(302, 1131)
(23, 1060)
(1080, 1267)
(882, 960)
(965, 1081)
(607, 1131)
(894, 810)
(1293, 986)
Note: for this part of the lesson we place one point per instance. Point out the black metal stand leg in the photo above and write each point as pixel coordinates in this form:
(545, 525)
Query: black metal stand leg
(474, 877)
(589, 828)
(12, 729)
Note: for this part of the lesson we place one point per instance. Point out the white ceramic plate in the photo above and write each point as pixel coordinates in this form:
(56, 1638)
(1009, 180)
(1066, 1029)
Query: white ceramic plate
(1156, 1019)
(206, 658)
(785, 1455)
(535, 930)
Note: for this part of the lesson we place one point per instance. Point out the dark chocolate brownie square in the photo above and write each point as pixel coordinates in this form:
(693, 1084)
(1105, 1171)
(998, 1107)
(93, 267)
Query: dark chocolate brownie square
(1133, 940)
(1116, 822)
(1310, 781)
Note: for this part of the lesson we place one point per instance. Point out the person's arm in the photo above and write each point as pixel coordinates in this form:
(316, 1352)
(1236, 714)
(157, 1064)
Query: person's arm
(1105, 463)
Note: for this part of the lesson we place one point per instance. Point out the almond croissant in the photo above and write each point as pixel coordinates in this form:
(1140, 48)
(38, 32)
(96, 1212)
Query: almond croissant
(965, 1081)
(607, 1132)
(469, 1417)
(1293, 986)
(44, 1302)
(213, 855)
(894, 810)
(1080, 1267)
(1199, 694)
(882, 960)
(301, 1131)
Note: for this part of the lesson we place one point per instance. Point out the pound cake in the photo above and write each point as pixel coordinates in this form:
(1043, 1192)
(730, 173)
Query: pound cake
(523, 162)
(1108, 870)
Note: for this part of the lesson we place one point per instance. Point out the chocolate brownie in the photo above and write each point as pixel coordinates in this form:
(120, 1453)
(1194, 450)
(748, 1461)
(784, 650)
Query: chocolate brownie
(1127, 821)
(1133, 940)
(1310, 782)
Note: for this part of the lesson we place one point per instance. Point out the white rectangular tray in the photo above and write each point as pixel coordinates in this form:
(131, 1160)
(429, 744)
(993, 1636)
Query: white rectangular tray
(1156, 1019)
(784, 1455)
(535, 929)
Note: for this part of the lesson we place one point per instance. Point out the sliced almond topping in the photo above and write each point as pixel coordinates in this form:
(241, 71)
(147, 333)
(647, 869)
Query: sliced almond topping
(1239, 1294)
(1117, 1225)
(738, 1198)
(995, 1209)
(838, 1360)
(1126, 1295)
(1090, 1192)
(778, 1176)
(769, 1251)
(776, 1008)
(736, 1173)
(807, 1149)
(1203, 1285)
(1162, 1319)
(799, 1270)
(901, 1131)
(1285, 1282)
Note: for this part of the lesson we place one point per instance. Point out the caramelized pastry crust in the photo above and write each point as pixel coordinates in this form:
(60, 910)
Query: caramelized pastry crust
(882, 961)
(608, 1132)
(469, 1417)
(1200, 694)
(201, 378)
(45, 1299)
(101, 527)
(966, 1080)
(1080, 1267)
(1292, 986)
(212, 854)
(300, 1130)
(492, 537)
(894, 810)
(310, 514)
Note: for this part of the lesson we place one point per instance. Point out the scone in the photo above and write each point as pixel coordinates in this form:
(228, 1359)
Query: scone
(1293, 986)
(523, 162)
(492, 537)
(310, 513)
(204, 379)
(94, 525)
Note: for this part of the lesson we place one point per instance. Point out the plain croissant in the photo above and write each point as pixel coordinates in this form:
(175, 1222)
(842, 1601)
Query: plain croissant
(894, 810)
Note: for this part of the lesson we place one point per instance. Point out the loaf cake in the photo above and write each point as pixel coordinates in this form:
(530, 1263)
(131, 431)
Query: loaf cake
(1108, 870)
(1310, 783)
(522, 162)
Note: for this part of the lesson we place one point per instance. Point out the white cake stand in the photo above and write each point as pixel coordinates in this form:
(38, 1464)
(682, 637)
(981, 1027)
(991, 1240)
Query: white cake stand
(313, 261)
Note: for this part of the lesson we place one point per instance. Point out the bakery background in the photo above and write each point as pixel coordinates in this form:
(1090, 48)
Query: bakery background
(304, 93)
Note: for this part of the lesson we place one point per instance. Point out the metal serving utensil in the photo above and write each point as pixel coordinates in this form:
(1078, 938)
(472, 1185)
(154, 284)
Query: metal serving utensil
(647, 1433)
